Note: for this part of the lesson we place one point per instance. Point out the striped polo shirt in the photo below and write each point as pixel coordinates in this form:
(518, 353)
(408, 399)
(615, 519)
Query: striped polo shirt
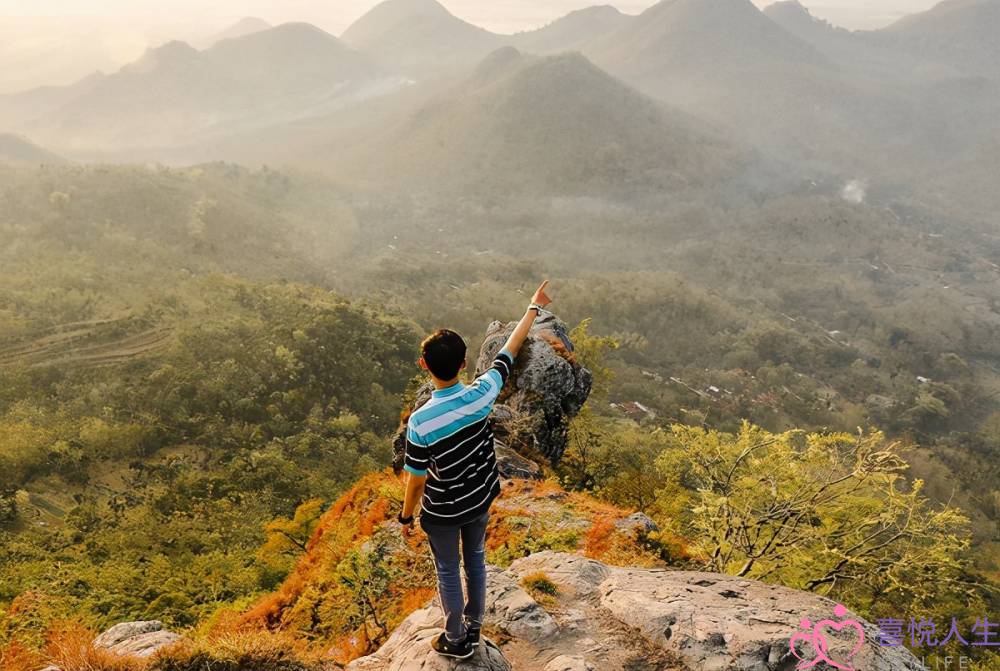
(449, 440)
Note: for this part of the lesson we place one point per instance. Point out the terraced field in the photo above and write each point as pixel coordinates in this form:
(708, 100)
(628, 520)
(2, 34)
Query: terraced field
(93, 343)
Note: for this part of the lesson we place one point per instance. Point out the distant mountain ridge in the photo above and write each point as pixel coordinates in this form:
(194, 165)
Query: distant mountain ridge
(175, 91)
(551, 124)
(689, 38)
(780, 79)
(962, 33)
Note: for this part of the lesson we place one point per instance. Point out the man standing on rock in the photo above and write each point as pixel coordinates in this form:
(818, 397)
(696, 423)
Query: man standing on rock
(453, 473)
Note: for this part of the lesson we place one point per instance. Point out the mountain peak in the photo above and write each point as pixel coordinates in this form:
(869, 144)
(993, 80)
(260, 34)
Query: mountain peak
(572, 31)
(418, 36)
(787, 7)
(395, 11)
(596, 11)
(789, 13)
(251, 22)
(171, 54)
(495, 64)
(294, 35)
(245, 26)
(708, 9)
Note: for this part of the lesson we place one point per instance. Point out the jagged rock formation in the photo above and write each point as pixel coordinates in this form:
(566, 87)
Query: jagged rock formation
(136, 639)
(611, 618)
(548, 388)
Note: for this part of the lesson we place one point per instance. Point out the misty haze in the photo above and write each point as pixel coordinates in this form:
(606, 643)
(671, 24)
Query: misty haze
(769, 373)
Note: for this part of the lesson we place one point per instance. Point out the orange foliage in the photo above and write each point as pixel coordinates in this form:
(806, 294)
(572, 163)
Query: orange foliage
(16, 657)
(414, 599)
(352, 518)
(373, 517)
(348, 648)
(312, 599)
(70, 647)
(599, 538)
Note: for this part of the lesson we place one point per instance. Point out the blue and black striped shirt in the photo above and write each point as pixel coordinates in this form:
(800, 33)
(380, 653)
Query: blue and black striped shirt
(449, 440)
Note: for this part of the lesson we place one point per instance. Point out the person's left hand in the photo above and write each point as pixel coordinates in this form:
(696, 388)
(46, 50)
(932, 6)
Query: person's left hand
(407, 530)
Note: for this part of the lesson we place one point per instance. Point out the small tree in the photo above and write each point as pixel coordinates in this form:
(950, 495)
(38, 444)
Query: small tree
(287, 538)
(368, 575)
(826, 512)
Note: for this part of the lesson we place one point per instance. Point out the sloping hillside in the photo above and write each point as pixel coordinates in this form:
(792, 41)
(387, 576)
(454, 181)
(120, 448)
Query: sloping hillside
(725, 60)
(961, 33)
(554, 125)
(359, 537)
(15, 149)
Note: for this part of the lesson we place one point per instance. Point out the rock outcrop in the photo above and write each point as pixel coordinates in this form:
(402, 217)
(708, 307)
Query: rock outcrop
(136, 639)
(611, 619)
(409, 649)
(548, 387)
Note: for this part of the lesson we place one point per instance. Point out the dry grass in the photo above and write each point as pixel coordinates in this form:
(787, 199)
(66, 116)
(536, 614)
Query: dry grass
(17, 657)
(69, 647)
(238, 651)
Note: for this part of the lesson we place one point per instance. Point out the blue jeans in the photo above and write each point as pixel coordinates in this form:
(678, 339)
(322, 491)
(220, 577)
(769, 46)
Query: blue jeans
(444, 540)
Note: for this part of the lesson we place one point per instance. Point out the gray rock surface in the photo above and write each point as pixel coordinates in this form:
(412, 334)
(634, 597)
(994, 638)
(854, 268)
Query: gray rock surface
(637, 523)
(514, 611)
(512, 465)
(548, 387)
(136, 639)
(409, 649)
(568, 663)
(612, 619)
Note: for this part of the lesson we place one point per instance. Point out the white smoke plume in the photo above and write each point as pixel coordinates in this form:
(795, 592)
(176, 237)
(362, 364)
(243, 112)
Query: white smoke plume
(854, 191)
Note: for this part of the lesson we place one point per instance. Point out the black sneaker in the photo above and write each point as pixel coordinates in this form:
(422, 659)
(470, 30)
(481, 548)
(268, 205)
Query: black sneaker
(472, 634)
(446, 648)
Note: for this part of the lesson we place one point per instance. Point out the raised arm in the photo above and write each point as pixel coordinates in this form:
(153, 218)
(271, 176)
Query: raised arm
(516, 339)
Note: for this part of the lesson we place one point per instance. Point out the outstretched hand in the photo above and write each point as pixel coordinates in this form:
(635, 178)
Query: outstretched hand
(541, 298)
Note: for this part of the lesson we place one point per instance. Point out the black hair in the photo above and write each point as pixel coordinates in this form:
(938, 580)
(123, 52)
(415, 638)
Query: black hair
(444, 353)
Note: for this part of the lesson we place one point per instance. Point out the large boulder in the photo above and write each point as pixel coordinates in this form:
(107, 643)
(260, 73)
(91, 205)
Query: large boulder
(610, 618)
(548, 387)
(136, 639)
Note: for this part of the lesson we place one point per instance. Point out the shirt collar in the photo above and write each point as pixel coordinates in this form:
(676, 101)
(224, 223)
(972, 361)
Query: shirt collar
(448, 391)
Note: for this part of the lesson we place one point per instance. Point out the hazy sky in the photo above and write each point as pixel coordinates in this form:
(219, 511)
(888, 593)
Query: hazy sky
(59, 41)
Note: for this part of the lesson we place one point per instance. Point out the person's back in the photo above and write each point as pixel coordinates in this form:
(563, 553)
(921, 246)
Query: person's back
(453, 474)
(450, 442)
